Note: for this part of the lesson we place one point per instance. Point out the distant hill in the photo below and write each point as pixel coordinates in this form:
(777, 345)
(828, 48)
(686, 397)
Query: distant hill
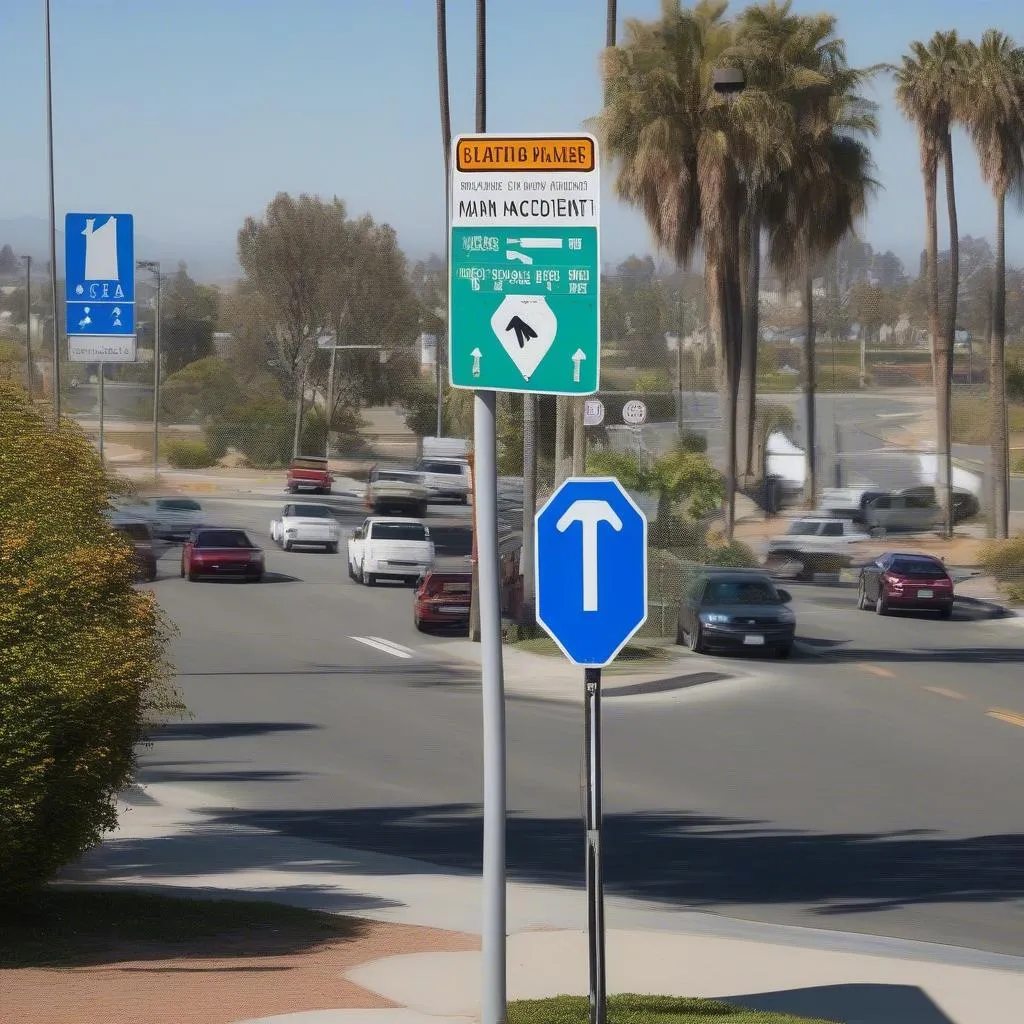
(29, 236)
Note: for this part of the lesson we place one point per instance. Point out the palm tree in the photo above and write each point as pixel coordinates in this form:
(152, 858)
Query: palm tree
(818, 201)
(681, 151)
(931, 91)
(995, 120)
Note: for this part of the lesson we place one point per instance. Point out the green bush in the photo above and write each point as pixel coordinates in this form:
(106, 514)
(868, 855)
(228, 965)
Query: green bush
(692, 441)
(260, 429)
(627, 1008)
(1004, 559)
(735, 555)
(182, 454)
(1018, 464)
(82, 667)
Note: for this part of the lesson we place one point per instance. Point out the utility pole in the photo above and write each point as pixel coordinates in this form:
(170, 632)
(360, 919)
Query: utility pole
(55, 376)
(153, 266)
(28, 326)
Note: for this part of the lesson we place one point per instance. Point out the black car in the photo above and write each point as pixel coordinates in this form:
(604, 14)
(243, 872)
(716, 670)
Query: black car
(733, 609)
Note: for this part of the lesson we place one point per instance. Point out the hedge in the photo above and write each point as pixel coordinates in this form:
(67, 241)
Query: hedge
(82, 666)
(184, 454)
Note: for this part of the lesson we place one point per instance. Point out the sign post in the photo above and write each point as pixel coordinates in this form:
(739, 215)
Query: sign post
(99, 259)
(524, 307)
(591, 570)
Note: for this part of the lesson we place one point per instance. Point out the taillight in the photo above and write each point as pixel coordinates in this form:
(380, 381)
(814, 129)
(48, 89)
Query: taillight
(892, 580)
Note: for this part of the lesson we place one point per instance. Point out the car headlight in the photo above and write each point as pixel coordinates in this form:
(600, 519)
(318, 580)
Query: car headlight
(714, 617)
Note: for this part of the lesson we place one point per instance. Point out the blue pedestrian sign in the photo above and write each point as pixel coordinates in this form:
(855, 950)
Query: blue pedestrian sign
(591, 569)
(99, 273)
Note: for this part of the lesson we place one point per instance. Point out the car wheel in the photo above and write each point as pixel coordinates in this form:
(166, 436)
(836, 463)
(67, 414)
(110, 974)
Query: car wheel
(193, 577)
(287, 545)
(332, 549)
(862, 598)
(182, 570)
(367, 578)
(256, 579)
(697, 641)
(421, 510)
(784, 651)
(464, 500)
(881, 608)
(418, 623)
(946, 611)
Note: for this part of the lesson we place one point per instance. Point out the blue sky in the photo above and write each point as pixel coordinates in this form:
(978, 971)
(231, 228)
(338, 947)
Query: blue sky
(191, 114)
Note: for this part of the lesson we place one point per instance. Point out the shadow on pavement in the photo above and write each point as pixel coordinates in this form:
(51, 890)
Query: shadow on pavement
(224, 730)
(849, 1004)
(698, 860)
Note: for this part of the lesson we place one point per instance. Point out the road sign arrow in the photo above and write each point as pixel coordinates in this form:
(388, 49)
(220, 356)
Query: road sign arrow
(577, 357)
(524, 332)
(476, 354)
(589, 513)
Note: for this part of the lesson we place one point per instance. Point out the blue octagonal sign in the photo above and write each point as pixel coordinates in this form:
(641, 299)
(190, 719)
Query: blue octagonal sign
(591, 569)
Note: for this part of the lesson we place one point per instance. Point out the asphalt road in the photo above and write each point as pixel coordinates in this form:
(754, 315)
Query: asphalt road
(862, 786)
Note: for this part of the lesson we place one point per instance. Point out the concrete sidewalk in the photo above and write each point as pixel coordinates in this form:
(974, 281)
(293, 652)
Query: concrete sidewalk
(172, 839)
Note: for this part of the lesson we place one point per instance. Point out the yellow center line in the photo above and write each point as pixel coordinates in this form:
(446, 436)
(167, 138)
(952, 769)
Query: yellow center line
(877, 670)
(943, 692)
(1004, 715)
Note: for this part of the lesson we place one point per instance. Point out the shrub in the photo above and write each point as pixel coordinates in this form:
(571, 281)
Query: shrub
(82, 668)
(692, 441)
(260, 429)
(1018, 464)
(1004, 559)
(183, 454)
(734, 555)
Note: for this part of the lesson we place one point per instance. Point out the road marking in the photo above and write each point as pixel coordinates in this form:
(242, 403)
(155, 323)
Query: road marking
(877, 670)
(1004, 715)
(943, 692)
(387, 646)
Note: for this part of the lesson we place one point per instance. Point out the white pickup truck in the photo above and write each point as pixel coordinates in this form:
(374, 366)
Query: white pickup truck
(389, 548)
(814, 544)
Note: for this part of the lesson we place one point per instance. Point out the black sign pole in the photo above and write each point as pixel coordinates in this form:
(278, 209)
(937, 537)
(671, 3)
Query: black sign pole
(595, 873)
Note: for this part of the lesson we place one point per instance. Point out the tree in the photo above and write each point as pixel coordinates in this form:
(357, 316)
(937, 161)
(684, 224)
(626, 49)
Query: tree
(187, 320)
(931, 91)
(8, 262)
(291, 259)
(995, 120)
(201, 391)
(817, 201)
(681, 152)
(82, 665)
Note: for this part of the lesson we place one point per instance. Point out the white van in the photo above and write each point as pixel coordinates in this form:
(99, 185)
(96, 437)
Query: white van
(389, 548)
(446, 478)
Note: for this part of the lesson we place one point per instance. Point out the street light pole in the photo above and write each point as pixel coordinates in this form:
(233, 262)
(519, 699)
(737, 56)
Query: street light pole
(153, 266)
(28, 325)
(55, 376)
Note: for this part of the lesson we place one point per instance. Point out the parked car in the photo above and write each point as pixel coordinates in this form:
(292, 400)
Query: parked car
(442, 599)
(736, 609)
(898, 580)
(848, 502)
(306, 525)
(446, 478)
(400, 491)
(902, 512)
(175, 518)
(217, 551)
(390, 549)
(814, 544)
(309, 472)
(965, 504)
(139, 534)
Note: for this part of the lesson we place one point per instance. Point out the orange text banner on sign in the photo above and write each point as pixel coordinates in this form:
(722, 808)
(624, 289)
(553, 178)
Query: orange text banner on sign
(520, 153)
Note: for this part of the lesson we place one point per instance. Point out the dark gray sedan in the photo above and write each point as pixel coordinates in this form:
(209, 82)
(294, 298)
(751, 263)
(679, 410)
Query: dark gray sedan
(735, 610)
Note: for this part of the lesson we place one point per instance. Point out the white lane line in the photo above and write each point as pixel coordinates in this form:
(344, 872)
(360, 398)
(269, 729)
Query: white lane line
(387, 646)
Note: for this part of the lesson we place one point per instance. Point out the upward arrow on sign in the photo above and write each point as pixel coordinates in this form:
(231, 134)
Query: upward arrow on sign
(589, 512)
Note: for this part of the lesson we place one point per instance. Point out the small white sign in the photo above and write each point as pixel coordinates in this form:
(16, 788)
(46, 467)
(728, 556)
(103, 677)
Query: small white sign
(634, 412)
(593, 412)
(101, 349)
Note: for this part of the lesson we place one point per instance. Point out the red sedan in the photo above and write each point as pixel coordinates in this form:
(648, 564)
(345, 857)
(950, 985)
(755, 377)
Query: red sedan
(221, 552)
(442, 599)
(896, 581)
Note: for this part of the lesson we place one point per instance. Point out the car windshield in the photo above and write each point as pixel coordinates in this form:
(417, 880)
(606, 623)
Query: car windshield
(451, 468)
(179, 504)
(397, 474)
(222, 539)
(398, 531)
(917, 568)
(740, 592)
(803, 528)
(312, 511)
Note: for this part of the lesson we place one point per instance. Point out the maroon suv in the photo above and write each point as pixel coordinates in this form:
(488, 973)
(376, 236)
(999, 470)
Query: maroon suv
(897, 580)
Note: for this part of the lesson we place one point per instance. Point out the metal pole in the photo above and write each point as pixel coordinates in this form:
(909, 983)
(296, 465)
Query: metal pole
(595, 871)
(446, 144)
(101, 413)
(55, 376)
(529, 505)
(330, 403)
(28, 326)
(156, 381)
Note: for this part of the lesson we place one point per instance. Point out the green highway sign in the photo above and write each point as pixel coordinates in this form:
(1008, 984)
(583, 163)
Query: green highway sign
(524, 265)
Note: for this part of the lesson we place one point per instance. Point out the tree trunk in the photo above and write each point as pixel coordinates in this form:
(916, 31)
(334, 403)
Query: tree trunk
(932, 279)
(300, 402)
(999, 433)
(579, 438)
(747, 411)
(731, 320)
(945, 354)
(561, 470)
(811, 487)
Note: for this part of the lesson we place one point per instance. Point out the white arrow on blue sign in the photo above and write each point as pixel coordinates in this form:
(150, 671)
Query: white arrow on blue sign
(591, 569)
